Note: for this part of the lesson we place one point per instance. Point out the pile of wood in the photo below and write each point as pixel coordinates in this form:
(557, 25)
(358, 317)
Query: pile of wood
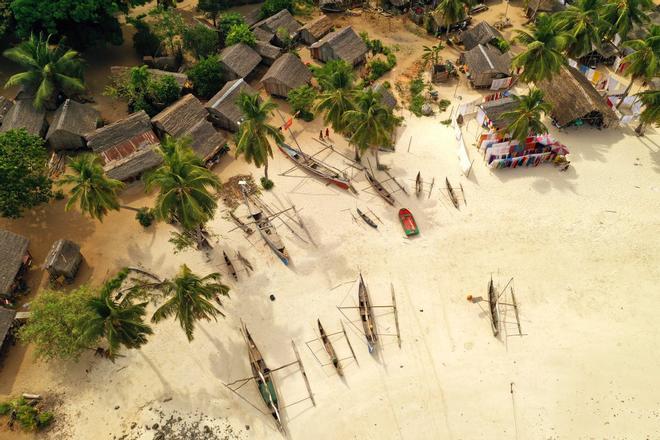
(231, 194)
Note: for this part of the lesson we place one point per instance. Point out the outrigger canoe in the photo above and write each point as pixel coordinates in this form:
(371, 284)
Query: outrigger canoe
(367, 219)
(230, 266)
(418, 184)
(330, 349)
(314, 166)
(380, 189)
(267, 230)
(367, 317)
(408, 222)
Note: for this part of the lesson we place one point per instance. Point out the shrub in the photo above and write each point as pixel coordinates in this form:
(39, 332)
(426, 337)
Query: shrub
(301, 100)
(416, 104)
(443, 104)
(267, 183)
(207, 76)
(59, 195)
(143, 91)
(145, 216)
(201, 41)
(164, 90)
(272, 7)
(227, 21)
(240, 33)
(145, 42)
(28, 416)
(501, 44)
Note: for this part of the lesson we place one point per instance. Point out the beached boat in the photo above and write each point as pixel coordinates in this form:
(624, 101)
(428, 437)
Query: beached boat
(492, 302)
(366, 315)
(408, 222)
(452, 195)
(366, 219)
(314, 166)
(418, 184)
(330, 349)
(230, 266)
(263, 378)
(380, 189)
(267, 230)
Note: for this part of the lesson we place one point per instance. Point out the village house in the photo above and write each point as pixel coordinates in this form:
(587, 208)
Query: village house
(239, 60)
(15, 259)
(287, 73)
(316, 29)
(63, 260)
(343, 44)
(482, 33)
(222, 108)
(23, 115)
(485, 65)
(283, 21)
(71, 122)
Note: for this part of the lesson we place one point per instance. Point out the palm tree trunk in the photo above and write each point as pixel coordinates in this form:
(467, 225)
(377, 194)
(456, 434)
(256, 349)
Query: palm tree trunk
(625, 94)
(266, 169)
(130, 208)
(357, 155)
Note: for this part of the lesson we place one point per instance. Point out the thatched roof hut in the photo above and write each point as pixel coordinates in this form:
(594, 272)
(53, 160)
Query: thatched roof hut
(281, 20)
(482, 33)
(267, 52)
(286, 73)
(6, 323)
(316, 29)
(71, 122)
(573, 98)
(181, 78)
(535, 7)
(222, 107)
(187, 118)
(263, 35)
(23, 115)
(63, 259)
(486, 63)
(387, 97)
(14, 257)
(496, 108)
(605, 54)
(239, 60)
(5, 106)
(126, 147)
(343, 44)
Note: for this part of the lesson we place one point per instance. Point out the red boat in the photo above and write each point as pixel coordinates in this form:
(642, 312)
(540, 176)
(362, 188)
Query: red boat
(408, 222)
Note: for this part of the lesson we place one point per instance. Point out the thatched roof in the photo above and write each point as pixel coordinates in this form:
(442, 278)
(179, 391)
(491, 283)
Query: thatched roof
(6, 322)
(5, 106)
(13, 248)
(23, 115)
(387, 97)
(63, 259)
(345, 43)
(267, 51)
(318, 27)
(282, 19)
(74, 117)
(180, 78)
(240, 59)
(545, 6)
(483, 59)
(288, 70)
(187, 118)
(496, 108)
(572, 96)
(134, 165)
(482, 33)
(224, 102)
(263, 35)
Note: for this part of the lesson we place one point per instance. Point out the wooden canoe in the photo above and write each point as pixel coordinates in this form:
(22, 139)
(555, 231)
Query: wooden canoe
(366, 315)
(230, 266)
(492, 303)
(408, 222)
(452, 195)
(380, 189)
(367, 219)
(314, 166)
(267, 230)
(263, 378)
(330, 349)
(418, 184)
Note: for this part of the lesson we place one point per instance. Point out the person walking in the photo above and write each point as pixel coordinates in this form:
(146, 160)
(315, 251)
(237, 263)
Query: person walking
(327, 133)
(321, 134)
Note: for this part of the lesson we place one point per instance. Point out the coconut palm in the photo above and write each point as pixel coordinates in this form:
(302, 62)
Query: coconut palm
(254, 132)
(645, 60)
(336, 80)
(184, 186)
(622, 15)
(525, 119)
(651, 113)
(370, 123)
(542, 57)
(452, 11)
(583, 22)
(49, 70)
(189, 299)
(121, 323)
(94, 192)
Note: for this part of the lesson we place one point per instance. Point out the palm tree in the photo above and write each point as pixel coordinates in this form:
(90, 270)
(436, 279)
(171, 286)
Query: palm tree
(651, 112)
(525, 119)
(184, 186)
(645, 60)
(49, 70)
(371, 123)
(542, 57)
(452, 11)
(432, 55)
(94, 192)
(337, 91)
(254, 130)
(120, 323)
(190, 299)
(621, 15)
(583, 22)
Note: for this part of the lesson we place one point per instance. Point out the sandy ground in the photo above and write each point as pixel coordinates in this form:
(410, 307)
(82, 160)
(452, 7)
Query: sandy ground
(581, 246)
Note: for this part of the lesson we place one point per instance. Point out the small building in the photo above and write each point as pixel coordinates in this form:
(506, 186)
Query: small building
(281, 20)
(343, 44)
(263, 35)
(575, 101)
(5, 106)
(15, 259)
(7, 322)
(127, 147)
(387, 98)
(267, 52)
(63, 260)
(482, 33)
(493, 111)
(485, 64)
(181, 78)
(222, 108)
(71, 122)
(535, 7)
(286, 73)
(239, 60)
(436, 24)
(605, 54)
(187, 118)
(23, 115)
(316, 29)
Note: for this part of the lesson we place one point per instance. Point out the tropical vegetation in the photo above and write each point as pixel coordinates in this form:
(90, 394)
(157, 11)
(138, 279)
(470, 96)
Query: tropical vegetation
(651, 110)
(207, 76)
(240, 33)
(144, 91)
(29, 415)
(644, 62)
(201, 41)
(622, 15)
(212, 8)
(583, 22)
(451, 11)
(525, 118)
(336, 79)
(272, 7)
(301, 99)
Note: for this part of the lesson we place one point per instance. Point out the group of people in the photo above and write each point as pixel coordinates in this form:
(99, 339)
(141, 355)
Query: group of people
(327, 134)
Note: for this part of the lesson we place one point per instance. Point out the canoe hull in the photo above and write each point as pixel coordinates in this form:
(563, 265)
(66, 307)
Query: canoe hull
(314, 166)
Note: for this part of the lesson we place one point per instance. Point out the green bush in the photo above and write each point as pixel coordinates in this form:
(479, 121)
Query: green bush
(501, 44)
(416, 86)
(201, 41)
(145, 216)
(29, 417)
(207, 76)
(301, 100)
(164, 90)
(240, 33)
(145, 42)
(59, 195)
(272, 7)
(416, 104)
(227, 21)
(267, 183)
(144, 92)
